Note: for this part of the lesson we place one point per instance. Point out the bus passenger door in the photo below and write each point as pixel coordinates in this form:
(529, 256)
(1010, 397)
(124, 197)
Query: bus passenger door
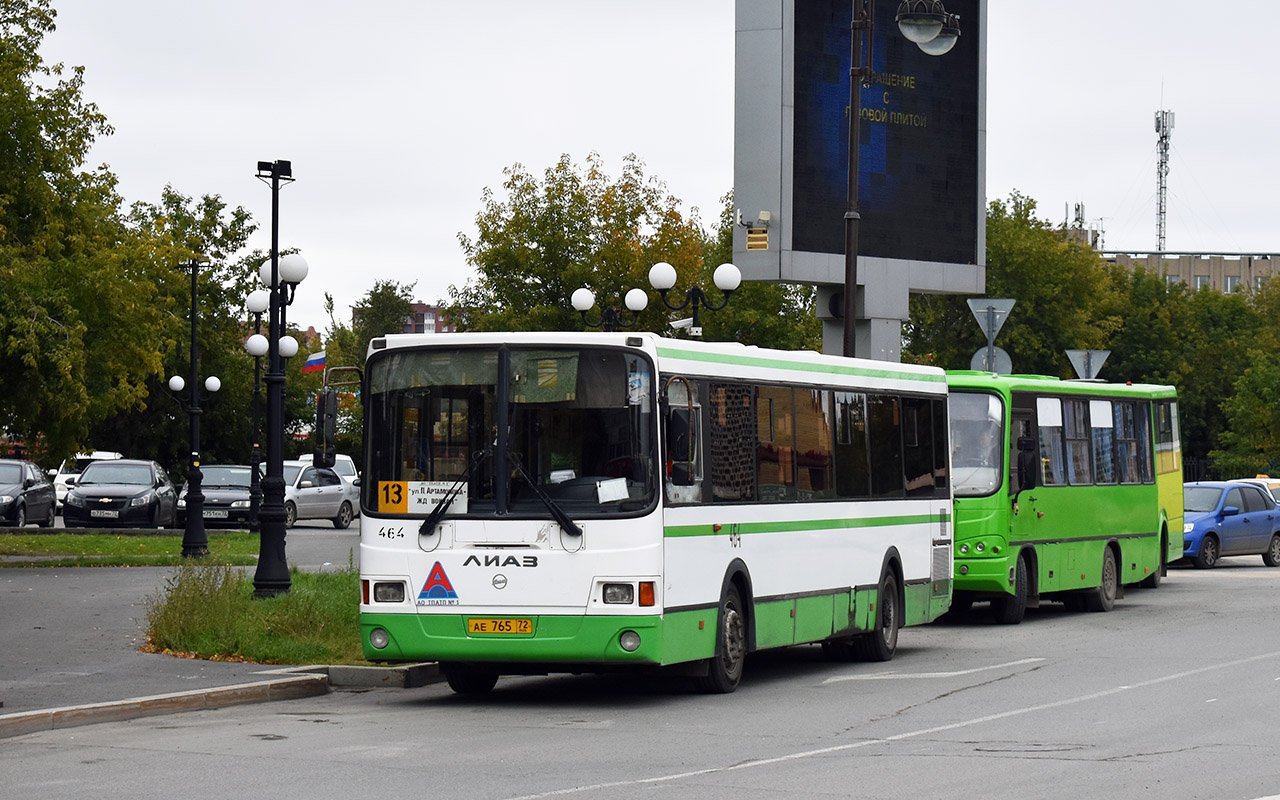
(1026, 487)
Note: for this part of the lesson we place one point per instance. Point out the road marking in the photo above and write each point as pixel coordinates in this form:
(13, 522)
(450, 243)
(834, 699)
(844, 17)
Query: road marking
(890, 676)
(842, 748)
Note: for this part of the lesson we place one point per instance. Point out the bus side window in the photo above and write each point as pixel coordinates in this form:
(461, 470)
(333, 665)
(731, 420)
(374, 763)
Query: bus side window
(682, 459)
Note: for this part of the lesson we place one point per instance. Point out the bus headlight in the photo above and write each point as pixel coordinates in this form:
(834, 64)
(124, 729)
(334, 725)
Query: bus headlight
(630, 641)
(388, 592)
(979, 547)
(964, 549)
(379, 638)
(619, 593)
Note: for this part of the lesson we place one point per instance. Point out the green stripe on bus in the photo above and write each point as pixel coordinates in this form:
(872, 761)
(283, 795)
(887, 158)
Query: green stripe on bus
(797, 366)
(792, 526)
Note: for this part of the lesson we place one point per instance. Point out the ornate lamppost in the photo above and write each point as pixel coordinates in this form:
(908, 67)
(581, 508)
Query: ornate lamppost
(610, 319)
(281, 276)
(727, 278)
(195, 542)
(935, 31)
(259, 301)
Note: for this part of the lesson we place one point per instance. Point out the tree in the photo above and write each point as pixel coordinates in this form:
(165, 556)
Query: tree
(544, 239)
(80, 317)
(382, 310)
(1062, 290)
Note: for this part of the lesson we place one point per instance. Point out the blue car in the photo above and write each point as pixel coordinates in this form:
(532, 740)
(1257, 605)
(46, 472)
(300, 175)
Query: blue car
(1229, 518)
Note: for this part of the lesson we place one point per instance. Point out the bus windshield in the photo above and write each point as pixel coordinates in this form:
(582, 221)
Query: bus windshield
(977, 427)
(503, 430)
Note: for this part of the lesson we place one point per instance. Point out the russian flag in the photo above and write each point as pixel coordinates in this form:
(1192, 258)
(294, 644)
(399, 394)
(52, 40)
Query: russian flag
(314, 363)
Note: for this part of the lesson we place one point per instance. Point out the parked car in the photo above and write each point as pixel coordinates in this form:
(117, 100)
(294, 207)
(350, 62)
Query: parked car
(121, 493)
(71, 467)
(1272, 485)
(344, 465)
(25, 494)
(1229, 518)
(226, 495)
(318, 493)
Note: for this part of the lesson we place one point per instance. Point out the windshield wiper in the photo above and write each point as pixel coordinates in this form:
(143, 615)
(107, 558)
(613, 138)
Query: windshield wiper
(557, 512)
(429, 524)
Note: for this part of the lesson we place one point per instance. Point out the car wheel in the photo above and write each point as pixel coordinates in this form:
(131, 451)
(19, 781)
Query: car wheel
(724, 669)
(1103, 598)
(290, 514)
(20, 517)
(1271, 557)
(882, 642)
(49, 520)
(344, 516)
(1208, 555)
(1010, 609)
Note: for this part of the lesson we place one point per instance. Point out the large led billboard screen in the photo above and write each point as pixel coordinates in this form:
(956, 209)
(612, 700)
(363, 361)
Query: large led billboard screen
(920, 159)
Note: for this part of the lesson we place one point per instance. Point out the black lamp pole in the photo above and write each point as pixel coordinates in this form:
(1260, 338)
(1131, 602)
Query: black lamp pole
(195, 542)
(727, 278)
(272, 575)
(255, 457)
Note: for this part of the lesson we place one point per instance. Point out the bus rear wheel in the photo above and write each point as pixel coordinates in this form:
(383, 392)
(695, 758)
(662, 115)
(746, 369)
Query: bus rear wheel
(1103, 598)
(882, 642)
(470, 678)
(724, 669)
(1010, 609)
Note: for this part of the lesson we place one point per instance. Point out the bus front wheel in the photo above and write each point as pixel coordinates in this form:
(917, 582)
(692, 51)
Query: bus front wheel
(724, 669)
(1010, 609)
(882, 642)
(469, 678)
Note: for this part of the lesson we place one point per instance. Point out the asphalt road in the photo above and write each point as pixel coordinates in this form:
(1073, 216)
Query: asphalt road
(1174, 694)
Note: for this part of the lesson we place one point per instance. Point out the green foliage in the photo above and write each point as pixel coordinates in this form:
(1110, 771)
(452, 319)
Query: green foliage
(382, 310)
(1060, 287)
(544, 239)
(210, 612)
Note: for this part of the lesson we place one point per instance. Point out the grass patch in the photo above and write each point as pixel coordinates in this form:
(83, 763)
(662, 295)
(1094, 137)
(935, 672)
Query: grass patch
(122, 550)
(210, 612)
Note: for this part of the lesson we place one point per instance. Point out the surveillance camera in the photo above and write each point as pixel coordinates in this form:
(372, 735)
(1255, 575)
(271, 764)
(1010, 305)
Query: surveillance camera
(681, 323)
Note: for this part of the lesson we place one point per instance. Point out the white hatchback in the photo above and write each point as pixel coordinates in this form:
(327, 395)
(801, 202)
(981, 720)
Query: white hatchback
(318, 493)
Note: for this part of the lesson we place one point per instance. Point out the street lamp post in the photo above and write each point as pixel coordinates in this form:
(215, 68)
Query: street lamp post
(727, 278)
(610, 319)
(258, 302)
(281, 277)
(929, 26)
(195, 542)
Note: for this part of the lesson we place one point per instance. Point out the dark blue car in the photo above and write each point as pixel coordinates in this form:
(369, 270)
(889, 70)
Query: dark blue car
(1229, 518)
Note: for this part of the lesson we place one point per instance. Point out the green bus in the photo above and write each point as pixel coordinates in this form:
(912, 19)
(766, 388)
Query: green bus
(1064, 490)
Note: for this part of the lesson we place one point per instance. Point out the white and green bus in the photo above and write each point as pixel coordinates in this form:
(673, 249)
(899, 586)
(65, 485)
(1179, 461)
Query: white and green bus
(579, 502)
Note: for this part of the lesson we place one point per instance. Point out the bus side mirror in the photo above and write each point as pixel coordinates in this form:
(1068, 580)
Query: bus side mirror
(1028, 470)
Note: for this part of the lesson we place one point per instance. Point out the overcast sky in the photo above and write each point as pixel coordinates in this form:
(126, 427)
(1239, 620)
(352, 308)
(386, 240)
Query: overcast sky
(396, 114)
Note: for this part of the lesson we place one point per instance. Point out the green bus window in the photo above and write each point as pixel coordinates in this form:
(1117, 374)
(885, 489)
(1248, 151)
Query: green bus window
(1126, 433)
(977, 430)
(1052, 460)
(1102, 423)
(1076, 430)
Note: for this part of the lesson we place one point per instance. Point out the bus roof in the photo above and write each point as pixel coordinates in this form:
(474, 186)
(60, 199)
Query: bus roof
(969, 379)
(690, 356)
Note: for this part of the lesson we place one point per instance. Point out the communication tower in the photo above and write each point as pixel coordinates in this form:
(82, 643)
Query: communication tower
(1164, 131)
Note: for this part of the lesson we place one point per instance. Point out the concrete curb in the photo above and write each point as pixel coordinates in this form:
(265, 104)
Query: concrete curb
(289, 684)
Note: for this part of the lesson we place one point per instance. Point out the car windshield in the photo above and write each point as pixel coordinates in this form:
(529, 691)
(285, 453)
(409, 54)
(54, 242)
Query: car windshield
(291, 473)
(109, 472)
(344, 468)
(10, 473)
(1200, 498)
(225, 477)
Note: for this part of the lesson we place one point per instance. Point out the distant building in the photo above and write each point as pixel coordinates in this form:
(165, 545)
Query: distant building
(1226, 272)
(422, 318)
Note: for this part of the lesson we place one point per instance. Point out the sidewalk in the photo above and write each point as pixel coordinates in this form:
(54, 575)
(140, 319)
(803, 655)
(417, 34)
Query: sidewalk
(69, 640)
